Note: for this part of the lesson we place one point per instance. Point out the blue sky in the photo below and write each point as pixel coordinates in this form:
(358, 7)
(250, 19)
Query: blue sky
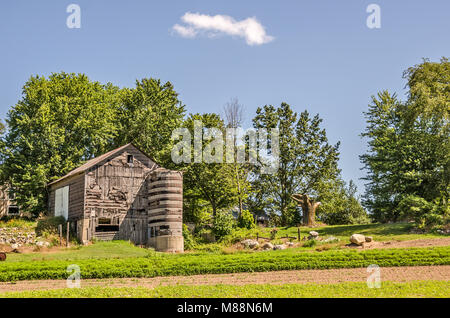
(322, 58)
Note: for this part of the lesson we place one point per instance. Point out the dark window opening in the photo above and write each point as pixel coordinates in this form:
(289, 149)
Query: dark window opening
(107, 228)
(11, 194)
(130, 158)
(104, 221)
(13, 210)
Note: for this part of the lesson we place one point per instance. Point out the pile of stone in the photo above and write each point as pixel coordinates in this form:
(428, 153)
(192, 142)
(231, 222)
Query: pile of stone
(359, 239)
(16, 238)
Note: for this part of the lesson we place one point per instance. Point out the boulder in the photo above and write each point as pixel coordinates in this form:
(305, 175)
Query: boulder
(357, 239)
(314, 234)
(290, 244)
(369, 238)
(267, 246)
(250, 243)
(279, 247)
(331, 239)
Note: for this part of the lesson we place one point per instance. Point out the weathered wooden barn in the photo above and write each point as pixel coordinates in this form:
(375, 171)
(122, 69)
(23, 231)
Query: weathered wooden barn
(122, 194)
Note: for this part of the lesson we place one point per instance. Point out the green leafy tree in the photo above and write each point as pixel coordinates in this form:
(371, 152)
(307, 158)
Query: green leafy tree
(147, 116)
(341, 204)
(246, 220)
(60, 122)
(223, 223)
(409, 144)
(306, 163)
(211, 182)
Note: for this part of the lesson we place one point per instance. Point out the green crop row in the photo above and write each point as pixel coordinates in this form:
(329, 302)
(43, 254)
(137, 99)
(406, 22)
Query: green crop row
(191, 264)
(344, 290)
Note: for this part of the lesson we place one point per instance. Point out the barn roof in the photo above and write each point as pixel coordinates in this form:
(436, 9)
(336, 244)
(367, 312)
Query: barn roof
(96, 161)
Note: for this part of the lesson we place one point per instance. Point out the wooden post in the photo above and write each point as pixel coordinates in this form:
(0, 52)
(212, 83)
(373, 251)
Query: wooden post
(67, 235)
(60, 234)
(299, 234)
(257, 237)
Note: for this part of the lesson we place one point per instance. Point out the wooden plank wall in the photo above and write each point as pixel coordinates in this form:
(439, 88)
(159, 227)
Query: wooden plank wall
(117, 190)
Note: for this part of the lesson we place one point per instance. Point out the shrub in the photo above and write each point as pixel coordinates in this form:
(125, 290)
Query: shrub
(223, 224)
(310, 243)
(189, 242)
(246, 220)
(50, 225)
(273, 233)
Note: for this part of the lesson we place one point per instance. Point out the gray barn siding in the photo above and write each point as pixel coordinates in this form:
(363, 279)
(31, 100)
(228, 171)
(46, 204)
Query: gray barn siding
(76, 196)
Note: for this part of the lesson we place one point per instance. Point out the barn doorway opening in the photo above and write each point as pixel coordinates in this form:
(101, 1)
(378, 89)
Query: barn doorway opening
(106, 225)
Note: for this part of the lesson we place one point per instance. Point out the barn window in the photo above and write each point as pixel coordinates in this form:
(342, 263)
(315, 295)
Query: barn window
(11, 194)
(13, 210)
(62, 202)
(130, 158)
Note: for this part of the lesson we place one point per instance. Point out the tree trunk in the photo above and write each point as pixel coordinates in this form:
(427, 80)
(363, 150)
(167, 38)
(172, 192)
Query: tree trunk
(309, 207)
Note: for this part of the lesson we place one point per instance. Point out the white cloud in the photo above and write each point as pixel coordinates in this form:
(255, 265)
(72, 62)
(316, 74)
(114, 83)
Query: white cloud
(250, 29)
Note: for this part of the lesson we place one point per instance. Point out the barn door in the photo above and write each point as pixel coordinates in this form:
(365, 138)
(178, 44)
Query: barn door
(62, 202)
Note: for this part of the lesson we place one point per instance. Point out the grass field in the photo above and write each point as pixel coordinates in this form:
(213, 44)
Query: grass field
(379, 232)
(343, 290)
(160, 264)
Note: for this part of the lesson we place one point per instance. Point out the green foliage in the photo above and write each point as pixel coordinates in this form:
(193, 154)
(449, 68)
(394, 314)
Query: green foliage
(189, 242)
(50, 225)
(246, 220)
(147, 115)
(159, 264)
(408, 144)
(208, 182)
(65, 119)
(428, 289)
(425, 214)
(273, 233)
(310, 243)
(340, 205)
(306, 162)
(223, 223)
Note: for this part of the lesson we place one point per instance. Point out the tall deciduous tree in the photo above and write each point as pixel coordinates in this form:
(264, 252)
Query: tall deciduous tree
(234, 117)
(306, 162)
(409, 144)
(209, 181)
(60, 122)
(147, 116)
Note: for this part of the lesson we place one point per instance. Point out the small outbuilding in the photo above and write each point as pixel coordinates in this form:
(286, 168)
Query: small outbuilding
(123, 194)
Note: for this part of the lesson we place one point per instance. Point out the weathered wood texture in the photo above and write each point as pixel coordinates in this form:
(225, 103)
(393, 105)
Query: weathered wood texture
(122, 196)
(76, 196)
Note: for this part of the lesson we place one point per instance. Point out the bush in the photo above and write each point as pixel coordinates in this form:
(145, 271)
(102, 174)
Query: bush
(246, 220)
(50, 225)
(273, 233)
(223, 224)
(189, 242)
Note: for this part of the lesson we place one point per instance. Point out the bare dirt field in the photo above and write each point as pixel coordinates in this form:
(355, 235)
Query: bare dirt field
(329, 276)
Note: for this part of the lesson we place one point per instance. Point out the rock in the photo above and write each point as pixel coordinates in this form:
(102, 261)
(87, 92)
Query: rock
(279, 247)
(267, 246)
(331, 239)
(40, 243)
(290, 244)
(250, 243)
(14, 247)
(369, 238)
(314, 234)
(357, 239)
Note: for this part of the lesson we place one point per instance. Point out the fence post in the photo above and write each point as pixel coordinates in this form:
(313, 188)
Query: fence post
(299, 234)
(257, 237)
(60, 234)
(67, 235)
